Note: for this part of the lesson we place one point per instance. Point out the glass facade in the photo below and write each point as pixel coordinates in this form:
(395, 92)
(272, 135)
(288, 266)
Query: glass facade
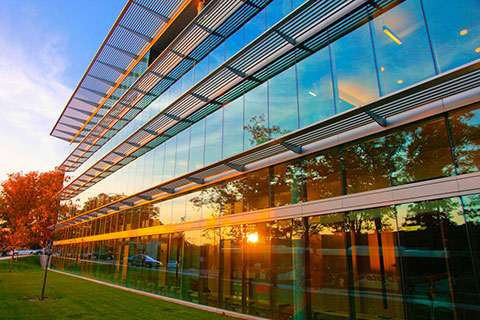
(352, 71)
(409, 260)
(406, 261)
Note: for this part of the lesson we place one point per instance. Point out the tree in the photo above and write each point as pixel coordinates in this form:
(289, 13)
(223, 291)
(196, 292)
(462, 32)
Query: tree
(28, 206)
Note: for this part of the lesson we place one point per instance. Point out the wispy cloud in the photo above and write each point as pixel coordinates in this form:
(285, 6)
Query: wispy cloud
(32, 95)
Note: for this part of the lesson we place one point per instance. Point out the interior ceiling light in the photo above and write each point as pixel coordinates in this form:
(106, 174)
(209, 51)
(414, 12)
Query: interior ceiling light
(392, 35)
(463, 32)
(477, 50)
(311, 93)
(400, 81)
(382, 69)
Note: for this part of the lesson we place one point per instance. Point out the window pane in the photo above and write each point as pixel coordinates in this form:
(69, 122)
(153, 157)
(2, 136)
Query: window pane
(471, 206)
(282, 103)
(217, 57)
(209, 267)
(201, 70)
(191, 266)
(256, 26)
(465, 126)
(436, 264)
(233, 127)
(286, 183)
(256, 122)
(166, 212)
(257, 261)
(159, 162)
(322, 176)
(355, 79)
(174, 265)
(197, 146)
(169, 166)
(234, 43)
(315, 91)
(183, 145)
(328, 266)
(454, 28)
(401, 47)
(276, 10)
(420, 152)
(256, 190)
(366, 166)
(178, 209)
(285, 276)
(194, 206)
(372, 250)
(232, 267)
(213, 137)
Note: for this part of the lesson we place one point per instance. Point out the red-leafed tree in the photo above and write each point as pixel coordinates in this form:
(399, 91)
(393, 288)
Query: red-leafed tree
(28, 206)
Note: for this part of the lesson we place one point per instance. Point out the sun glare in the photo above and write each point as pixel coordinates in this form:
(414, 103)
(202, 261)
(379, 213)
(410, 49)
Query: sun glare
(252, 237)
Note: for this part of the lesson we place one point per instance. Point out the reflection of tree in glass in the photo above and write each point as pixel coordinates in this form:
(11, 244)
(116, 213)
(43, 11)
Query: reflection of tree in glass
(221, 197)
(363, 221)
(260, 132)
(366, 166)
(432, 214)
(465, 127)
(472, 208)
(421, 152)
(322, 176)
(100, 200)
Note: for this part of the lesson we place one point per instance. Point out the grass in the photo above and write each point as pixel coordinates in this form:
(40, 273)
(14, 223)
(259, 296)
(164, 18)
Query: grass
(73, 298)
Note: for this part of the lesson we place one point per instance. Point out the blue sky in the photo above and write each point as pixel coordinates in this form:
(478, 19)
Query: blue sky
(45, 48)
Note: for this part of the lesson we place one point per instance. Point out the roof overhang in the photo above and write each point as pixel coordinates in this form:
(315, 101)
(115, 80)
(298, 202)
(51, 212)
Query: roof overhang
(122, 57)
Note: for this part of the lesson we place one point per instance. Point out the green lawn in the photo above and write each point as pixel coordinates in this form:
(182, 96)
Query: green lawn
(74, 298)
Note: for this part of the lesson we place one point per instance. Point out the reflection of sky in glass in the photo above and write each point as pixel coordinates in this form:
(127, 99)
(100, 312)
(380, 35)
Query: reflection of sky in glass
(193, 212)
(169, 166)
(234, 43)
(183, 145)
(276, 10)
(158, 167)
(139, 174)
(354, 69)
(255, 27)
(446, 19)
(131, 172)
(315, 92)
(213, 135)
(201, 70)
(149, 166)
(217, 57)
(233, 127)
(282, 102)
(178, 209)
(400, 65)
(166, 212)
(197, 140)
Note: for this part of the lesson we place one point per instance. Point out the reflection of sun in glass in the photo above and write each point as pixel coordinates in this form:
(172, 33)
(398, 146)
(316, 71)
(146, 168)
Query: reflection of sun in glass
(311, 93)
(463, 32)
(252, 237)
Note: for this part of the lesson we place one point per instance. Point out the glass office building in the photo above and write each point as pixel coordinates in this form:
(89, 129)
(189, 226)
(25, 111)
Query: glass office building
(283, 159)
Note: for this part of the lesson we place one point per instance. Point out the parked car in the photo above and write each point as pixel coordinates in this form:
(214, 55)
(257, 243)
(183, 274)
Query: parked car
(21, 252)
(142, 260)
(36, 251)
